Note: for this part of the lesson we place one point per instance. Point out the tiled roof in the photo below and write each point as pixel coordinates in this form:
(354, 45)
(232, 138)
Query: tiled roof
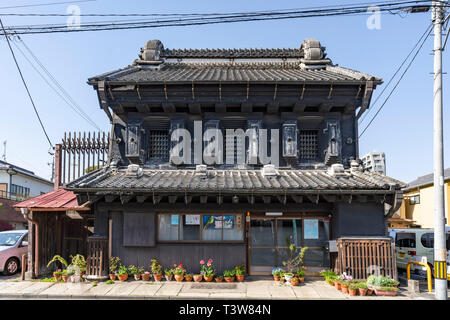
(56, 199)
(427, 179)
(6, 165)
(232, 181)
(236, 72)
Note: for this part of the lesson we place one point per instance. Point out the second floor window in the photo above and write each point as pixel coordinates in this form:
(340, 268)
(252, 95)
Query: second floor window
(309, 144)
(414, 200)
(159, 144)
(19, 190)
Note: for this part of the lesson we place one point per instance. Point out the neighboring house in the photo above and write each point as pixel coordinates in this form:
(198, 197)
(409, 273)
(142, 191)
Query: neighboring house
(375, 161)
(17, 184)
(417, 208)
(170, 191)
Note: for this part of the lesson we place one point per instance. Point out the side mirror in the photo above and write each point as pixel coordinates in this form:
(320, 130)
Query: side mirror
(24, 244)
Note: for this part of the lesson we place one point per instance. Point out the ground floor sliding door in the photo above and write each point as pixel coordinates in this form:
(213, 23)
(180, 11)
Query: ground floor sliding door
(268, 239)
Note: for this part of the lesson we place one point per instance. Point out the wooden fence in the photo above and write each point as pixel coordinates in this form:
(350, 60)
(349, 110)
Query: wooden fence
(80, 153)
(361, 257)
(97, 257)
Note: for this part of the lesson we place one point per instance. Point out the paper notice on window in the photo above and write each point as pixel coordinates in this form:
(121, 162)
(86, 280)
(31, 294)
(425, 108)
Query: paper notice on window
(193, 219)
(174, 219)
(311, 228)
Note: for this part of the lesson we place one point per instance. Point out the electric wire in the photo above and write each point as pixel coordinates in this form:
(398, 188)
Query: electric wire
(25, 85)
(396, 85)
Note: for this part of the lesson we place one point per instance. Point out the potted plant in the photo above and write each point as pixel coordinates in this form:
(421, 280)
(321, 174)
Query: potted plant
(66, 274)
(294, 258)
(179, 272)
(362, 288)
(295, 281)
(136, 272)
(352, 289)
(80, 263)
(156, 269)
(198, 277)
(207, 270)
(122, 273)
(168, 274)
(145, 276)
(337, 284)
(344, 286)
(329, 276)
(219, 278)
(188, 277)
(114, 264)
(63, 263)
(239, 271)
(228, 275)
(386, 291)
(288, 276)
(276, 273)
(300, 274)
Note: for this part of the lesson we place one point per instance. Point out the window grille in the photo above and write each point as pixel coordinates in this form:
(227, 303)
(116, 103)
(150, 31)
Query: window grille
(159, 144)
(309, 147)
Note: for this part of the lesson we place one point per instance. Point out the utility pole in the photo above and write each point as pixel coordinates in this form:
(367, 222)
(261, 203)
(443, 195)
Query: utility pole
(440, 251)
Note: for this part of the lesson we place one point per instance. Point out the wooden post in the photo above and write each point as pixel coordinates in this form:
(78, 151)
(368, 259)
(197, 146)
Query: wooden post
(57, 182)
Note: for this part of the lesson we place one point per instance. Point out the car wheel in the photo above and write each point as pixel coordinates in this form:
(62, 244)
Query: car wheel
(11, 266)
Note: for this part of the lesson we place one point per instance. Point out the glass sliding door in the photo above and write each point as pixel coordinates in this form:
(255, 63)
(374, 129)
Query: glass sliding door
(262, 245)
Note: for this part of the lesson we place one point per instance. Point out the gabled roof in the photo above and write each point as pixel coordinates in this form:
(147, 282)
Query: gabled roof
(56, 200)
(6, 165)
(427, 179)
(242, 181)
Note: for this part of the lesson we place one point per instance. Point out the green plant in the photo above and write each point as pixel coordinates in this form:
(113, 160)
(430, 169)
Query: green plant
(109, 282)
(219, 277)
(229, 273)
(168, 272)
(353, 286)
(362, 285)
(207, 268)
(381, 281)
(178, 269)
(114, 264)
(328, 274)
(389, 288)
(52, 279)
(294, 257)
(58, 273)
(59, 259)
(79, 262)
(300, 273)
(240, 269)
(155, 266)
(67, 272)
(122, 270)
(289, 274)
(135, 270)
(188, 275)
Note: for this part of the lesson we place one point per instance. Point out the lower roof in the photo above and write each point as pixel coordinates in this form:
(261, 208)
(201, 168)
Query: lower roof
(60, 200)
(229, 181)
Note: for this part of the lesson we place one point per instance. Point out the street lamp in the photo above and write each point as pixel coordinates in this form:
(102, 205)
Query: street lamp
(11, 172)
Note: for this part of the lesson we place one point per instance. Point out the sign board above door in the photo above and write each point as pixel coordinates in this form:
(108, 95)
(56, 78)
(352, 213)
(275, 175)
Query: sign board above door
(274, 213)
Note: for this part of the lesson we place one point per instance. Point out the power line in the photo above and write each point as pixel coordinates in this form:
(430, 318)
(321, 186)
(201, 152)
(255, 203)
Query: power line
(45, 4)
(25, 84)
(203, 20)
(73, 105)
(398, 82)
(396, 72)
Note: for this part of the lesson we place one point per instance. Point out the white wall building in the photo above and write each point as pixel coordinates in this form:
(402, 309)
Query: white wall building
(17, 183)
(375, 161)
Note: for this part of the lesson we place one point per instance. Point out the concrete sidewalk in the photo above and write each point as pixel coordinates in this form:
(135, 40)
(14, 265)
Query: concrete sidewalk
(253, 288)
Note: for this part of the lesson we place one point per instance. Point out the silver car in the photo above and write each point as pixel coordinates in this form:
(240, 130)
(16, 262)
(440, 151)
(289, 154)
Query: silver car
(13, 244)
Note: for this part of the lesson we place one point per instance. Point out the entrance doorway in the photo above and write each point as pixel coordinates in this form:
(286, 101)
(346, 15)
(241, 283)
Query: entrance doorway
(267, 246)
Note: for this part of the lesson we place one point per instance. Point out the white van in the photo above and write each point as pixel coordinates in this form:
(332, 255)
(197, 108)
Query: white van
(417, 245)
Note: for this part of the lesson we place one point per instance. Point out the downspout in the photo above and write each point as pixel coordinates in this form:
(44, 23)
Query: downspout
(25, 214)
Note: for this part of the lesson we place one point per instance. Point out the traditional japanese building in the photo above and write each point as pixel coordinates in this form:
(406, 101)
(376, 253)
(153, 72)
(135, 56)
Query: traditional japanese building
(223, 153)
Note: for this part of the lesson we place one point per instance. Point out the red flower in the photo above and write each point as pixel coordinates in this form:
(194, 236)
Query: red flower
(202, 262)
(181, 264)
(175, 265)
(208, 264)
(209, 261)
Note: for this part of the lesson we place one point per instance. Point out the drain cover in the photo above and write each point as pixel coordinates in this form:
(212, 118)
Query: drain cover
(213, 286)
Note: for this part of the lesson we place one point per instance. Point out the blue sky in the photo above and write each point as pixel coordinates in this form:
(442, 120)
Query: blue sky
(403, 129)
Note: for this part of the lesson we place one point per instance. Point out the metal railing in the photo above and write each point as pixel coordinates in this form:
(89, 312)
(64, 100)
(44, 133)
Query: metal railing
(13, 196)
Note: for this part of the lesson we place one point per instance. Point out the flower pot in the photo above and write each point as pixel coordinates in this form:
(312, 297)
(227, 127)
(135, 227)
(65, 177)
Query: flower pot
(337, 285)
(157, 277)
(287, 277)
(276, 278)
(208, 278)
(295, 281)
(122, 277)
(198, 278)
(57, 276)
(391, 293)
(240, 278)
(362, 292)
(137, 277)
(66, 278)
(169, 277)
(229, 279)
(344, 289)
(112, 276)
(188, 279)
(369, 292)
(145, 276)
(219, 279)
(301, 280)
(352, 292)
(179, 277)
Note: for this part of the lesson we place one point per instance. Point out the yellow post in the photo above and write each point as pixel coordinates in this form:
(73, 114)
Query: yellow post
(429, 280)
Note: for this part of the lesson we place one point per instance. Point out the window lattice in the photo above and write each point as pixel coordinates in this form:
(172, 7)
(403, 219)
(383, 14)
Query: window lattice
(159, 144)
(309, 148)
